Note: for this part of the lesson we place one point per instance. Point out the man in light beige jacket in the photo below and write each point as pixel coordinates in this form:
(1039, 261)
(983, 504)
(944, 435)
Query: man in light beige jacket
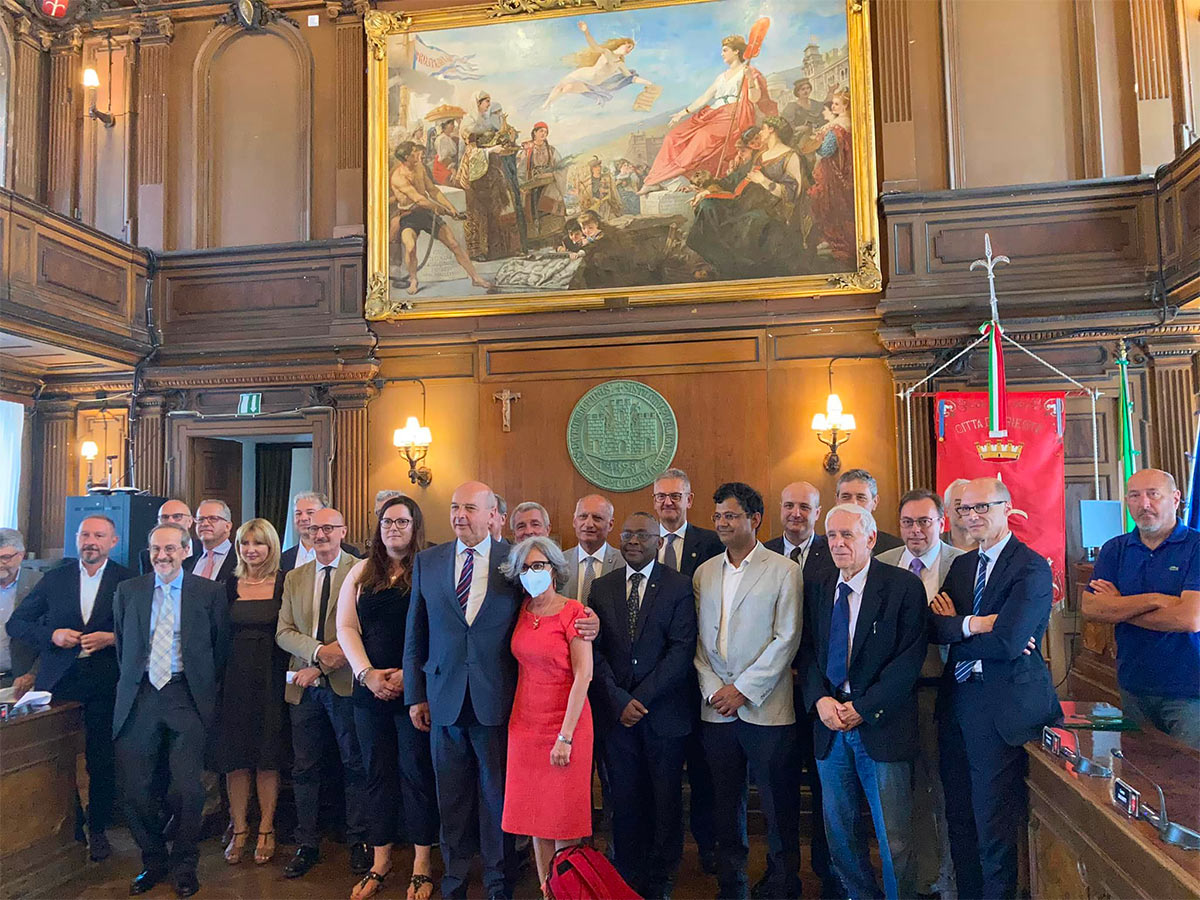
(748, 603)
(320, 684)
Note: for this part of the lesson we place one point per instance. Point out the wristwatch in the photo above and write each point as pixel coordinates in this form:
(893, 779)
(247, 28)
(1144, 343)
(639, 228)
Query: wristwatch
(361, 677)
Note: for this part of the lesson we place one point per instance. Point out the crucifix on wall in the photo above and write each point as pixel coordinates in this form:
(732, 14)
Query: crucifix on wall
(506, 398)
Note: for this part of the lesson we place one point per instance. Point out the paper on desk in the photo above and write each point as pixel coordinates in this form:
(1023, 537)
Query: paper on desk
(33, 698)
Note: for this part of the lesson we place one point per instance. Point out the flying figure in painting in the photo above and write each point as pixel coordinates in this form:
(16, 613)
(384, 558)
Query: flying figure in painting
(601, 70)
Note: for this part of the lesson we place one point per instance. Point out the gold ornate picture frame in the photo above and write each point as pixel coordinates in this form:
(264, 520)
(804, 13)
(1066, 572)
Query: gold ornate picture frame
(537, 155)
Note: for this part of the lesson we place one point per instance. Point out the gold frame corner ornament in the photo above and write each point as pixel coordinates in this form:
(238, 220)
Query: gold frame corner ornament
(379, 304)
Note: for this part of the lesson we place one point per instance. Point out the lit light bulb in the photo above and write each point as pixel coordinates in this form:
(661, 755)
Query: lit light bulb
(90, 78)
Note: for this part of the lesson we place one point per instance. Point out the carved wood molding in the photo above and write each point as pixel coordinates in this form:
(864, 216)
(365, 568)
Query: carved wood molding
(189, 378)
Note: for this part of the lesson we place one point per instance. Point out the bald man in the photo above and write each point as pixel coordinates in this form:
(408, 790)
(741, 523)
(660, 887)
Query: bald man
(173, 512)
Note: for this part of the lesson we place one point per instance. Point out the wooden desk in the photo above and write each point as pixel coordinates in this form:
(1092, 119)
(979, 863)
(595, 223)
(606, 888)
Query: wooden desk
(1082, 847)
(1093, 674)
(38, 796)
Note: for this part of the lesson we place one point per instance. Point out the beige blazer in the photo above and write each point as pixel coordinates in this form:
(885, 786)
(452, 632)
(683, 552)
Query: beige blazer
(763, 634)
(935, 655)
(295, 627)
(612, 559)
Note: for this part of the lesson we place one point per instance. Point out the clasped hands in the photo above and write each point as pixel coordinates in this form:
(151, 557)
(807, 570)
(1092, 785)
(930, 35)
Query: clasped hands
(90, 641)
(386, 684)
(838, 716)
(727, 701)
(328, 655)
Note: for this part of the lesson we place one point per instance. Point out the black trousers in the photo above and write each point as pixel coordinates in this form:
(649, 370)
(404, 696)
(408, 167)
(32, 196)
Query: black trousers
(738, 751)
(645, 781)
(92, 681)
(163, 723)
(983, 778)
(401, 796)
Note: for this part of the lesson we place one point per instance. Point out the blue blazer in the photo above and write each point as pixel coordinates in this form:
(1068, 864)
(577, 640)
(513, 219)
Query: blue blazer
(443, 656)
(1017, 688)
(656, 667)
(53, 604)
(204, 632)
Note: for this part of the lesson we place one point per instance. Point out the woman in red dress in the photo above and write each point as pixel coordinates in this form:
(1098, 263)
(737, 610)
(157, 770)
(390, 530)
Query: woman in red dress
(833, 193)
(548, 785)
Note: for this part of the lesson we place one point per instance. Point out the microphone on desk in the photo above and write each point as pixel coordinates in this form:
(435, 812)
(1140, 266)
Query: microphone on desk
(1171, 832)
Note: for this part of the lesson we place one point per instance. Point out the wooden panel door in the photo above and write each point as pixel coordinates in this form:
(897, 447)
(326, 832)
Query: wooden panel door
(216, 474)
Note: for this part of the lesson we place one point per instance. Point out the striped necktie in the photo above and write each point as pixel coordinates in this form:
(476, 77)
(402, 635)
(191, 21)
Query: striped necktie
(463, 591)
(162, 639)
(962, 670)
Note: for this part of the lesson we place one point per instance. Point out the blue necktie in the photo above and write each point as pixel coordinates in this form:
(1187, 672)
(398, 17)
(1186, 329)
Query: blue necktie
(836, 666)
(962, 670)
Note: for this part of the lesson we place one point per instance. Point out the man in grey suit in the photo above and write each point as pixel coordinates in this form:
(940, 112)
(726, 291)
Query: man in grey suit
(17, 658)
(922, 518)
(748, 604)
(594, 556)
(172, 637)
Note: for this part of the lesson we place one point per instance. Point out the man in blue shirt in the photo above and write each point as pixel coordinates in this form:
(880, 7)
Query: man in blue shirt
(1147, 582)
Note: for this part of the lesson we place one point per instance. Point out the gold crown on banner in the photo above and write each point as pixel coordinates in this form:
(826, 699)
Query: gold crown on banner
(999, 449)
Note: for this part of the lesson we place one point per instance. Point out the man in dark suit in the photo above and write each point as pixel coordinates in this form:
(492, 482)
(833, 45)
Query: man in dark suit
(859, 486)
(68, 617)
(994, 696)
(18, 660)
(640, 696)
(799, 509)
(215, 559)
(685, 546)
(460, 677)
(173, 512)
(172, 638)
(862, 647)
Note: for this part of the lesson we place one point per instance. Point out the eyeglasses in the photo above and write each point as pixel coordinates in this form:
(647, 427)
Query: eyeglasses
(923, 522)
(400, 524)
(210, 520)
(980, 509)
(324, 529)
(642, 536)
(174, 517)
(539, 566)
(727, 517)
(674, 497)
(10, 558)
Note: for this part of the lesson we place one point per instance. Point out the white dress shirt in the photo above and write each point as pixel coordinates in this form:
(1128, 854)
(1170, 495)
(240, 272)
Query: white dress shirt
(584, 560)
(304, 554)
(89, 587)
(663, 531)
(219, 553)
(479, 573)
(789, 548)
(645, 573)
(992, 554)
(930, 575)
(731, 580)
(857, 583)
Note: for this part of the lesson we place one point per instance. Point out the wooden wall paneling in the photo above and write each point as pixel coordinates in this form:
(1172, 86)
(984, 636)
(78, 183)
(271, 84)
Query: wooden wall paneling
(1112, 33)
(1179, 227)
(1153, 79)
(27, 117)
(148, 468)
(1089, 88)
(927, 93)
(109, 429)
(153, 60)
(1173, 411)
(66, 110)
(899, 163)
(349, 212)
(7, 77)
(106, 154)
(55, 451)
(350, 470)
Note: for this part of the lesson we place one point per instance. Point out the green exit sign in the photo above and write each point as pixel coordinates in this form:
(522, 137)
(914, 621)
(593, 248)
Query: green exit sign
(249, 404)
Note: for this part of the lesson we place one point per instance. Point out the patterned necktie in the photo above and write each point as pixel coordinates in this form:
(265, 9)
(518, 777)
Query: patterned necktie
(161, 640)
(210, 562)
(589, 575)
(634, 604)
(962, 670)
(463, 591)
(327, 574)
(837, 664)
(916, 566)
(671, 556)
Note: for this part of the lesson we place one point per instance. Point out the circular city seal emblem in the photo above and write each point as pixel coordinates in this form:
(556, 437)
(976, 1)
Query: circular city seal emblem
(621, 435)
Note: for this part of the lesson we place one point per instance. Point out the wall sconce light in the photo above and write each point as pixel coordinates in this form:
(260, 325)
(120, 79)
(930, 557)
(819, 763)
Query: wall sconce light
(89, 451)
(91, 81)
(833, 426)
(413, 442)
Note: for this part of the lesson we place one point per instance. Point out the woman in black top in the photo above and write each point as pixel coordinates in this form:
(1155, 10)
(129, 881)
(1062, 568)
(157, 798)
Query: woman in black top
(372, 609)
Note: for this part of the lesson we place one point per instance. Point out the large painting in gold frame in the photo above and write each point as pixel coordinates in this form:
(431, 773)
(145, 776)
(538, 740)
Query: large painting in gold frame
(563, 154)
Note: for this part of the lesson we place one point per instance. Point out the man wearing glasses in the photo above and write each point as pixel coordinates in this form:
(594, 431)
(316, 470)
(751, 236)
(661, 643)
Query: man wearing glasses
(319, 694)
(173, 512)
(749, 621)
(922, 520)
(993, 696)
(214, 522)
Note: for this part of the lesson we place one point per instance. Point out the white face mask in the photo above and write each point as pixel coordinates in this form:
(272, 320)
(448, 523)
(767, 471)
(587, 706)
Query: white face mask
(535, 583)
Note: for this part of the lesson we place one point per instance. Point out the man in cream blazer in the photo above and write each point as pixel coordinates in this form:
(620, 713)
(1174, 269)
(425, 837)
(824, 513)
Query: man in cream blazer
(319, 691)
(922, 518)
(748, 603)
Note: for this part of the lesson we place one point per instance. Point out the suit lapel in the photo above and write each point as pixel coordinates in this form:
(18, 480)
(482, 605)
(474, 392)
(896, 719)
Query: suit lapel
(868, 611)
(997, 584)
(756, 568)
(102, 608)
(141, 614)
(649, 595)
(308, 584)
(72, 599)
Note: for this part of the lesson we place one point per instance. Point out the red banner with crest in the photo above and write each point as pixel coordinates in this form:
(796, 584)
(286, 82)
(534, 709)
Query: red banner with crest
(1029, 460)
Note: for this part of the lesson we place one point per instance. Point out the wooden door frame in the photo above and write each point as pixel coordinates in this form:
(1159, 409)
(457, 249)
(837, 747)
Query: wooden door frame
(183, 427)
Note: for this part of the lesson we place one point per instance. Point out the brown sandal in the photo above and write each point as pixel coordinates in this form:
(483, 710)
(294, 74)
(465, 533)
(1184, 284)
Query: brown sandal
(371, 884)
(236, 848)
(264, 852)
(416, 883)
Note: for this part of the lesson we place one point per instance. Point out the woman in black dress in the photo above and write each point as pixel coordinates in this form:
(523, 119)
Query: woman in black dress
(250, 734)
(372, 609)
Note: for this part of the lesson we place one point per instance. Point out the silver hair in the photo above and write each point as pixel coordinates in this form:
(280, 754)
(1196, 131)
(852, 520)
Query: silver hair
(501, 505)
(859, 475)
(511, 568)
(385, 496)
(675, 473)
(226, 512)
(526, 506)
(313, 495)
(864, 516)
(11, 539)
(612, 510)
(185, 539)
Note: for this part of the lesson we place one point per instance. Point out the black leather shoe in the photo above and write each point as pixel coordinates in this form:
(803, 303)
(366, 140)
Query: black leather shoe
(99, 849)
(145, 880)
(186, 884)
(305, 859)
(361, 859)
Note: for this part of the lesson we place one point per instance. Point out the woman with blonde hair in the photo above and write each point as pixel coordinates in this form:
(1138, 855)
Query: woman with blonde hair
(250, 733)
(600, 70)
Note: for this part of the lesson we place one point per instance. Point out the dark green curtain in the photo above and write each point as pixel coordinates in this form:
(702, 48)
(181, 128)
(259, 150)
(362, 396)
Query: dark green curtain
(273, 464)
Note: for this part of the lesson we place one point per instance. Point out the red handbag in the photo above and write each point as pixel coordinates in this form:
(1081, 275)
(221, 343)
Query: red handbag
(584, 873)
